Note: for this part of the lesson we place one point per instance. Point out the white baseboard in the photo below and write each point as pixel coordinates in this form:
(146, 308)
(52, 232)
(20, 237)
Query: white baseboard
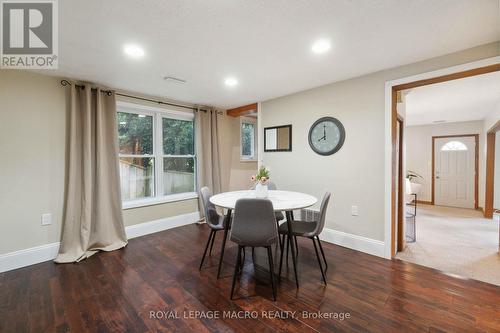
(27, 257)
(46, 252)
(355, 242)
(147, 228)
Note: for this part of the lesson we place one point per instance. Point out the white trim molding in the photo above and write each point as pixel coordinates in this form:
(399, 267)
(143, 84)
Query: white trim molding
(47, 252)
(151, 227)
(388, 128)
(354, 242)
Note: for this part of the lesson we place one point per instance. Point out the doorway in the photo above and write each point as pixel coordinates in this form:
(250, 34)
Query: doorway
(455, 171)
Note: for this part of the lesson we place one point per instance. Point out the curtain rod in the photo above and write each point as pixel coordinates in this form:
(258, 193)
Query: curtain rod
(67, 83)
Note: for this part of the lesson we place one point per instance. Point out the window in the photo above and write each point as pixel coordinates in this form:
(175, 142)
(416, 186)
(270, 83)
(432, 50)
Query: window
(454, 145)
(248, 138)
(157, 158)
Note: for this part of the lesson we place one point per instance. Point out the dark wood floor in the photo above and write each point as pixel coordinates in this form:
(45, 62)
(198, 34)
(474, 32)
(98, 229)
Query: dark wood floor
(117, 291)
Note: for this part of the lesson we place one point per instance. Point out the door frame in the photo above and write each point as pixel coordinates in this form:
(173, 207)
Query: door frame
(490, 171)
(401, 241)
(476, 165)
(479, 67)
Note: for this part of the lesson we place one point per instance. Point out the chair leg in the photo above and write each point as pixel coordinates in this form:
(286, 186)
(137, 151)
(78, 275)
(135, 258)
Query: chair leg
(212, 234)
(322, 253)
(282, 247)
(226, 229)
(244, 258)
(236, 269)
(271, 270)
(319, 260)
(287, 248)
(296, 246)
(212, 245)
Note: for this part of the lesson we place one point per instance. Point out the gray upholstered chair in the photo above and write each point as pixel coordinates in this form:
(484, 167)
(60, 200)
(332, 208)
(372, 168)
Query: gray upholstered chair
(254, 225)
(310, 230)
(278, 215)
(214, 220)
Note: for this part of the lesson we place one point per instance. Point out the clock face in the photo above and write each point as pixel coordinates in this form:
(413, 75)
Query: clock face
(326, 136)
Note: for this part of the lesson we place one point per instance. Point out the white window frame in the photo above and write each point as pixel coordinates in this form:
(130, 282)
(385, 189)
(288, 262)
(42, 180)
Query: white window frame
(158, 114)
(253, 121)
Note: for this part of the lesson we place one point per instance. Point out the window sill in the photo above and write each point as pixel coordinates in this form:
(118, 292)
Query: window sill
(248, 160)
(158, 201)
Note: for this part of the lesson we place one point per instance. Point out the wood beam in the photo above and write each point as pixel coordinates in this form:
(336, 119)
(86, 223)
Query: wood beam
(242, 110)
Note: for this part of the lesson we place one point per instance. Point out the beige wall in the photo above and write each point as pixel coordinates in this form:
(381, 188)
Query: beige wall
(354, 175)
(419, 151)
(33, 118)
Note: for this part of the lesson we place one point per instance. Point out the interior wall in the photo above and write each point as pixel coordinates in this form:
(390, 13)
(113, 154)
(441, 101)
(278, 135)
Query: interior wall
(235, 173)
(33, 133)
(496, 183)
(419, 152)
(355, 174)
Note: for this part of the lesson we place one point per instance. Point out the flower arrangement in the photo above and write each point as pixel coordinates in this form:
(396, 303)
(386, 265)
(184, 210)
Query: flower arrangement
(262, 176)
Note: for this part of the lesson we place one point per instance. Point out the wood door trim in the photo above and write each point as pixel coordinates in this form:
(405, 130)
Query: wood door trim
(490, 175)
(394, 112)
(401, 202)
(476, 165)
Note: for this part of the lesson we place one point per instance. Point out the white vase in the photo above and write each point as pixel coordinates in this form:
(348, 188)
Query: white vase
(261, 191)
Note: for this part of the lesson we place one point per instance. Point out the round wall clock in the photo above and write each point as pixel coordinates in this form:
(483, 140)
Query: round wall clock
(326, 136)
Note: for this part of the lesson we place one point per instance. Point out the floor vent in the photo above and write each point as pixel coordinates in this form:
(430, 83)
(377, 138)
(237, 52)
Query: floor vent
(309, 215)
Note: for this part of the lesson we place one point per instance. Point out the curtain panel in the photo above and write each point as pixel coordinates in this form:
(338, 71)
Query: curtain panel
(207, 152)
(93, 218)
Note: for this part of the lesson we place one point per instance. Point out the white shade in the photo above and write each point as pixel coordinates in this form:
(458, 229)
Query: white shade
(408, 186)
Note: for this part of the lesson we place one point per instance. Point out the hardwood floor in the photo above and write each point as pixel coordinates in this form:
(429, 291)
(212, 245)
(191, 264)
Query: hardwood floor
(118, 291)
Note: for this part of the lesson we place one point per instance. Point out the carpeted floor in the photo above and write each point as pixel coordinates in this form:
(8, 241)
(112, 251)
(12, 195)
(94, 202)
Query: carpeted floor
(456, 241)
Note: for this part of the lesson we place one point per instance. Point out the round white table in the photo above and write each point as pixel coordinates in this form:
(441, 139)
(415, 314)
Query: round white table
(286, 201)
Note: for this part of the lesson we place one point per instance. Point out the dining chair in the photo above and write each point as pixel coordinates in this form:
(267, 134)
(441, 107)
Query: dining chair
(254, 225)
(214, 220)
(278, 215)
(309, 230)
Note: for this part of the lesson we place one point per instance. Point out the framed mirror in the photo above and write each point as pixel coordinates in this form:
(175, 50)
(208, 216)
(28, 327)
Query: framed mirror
(278, 138)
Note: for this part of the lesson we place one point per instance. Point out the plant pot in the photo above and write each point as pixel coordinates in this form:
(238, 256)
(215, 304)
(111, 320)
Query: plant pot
(261, 191)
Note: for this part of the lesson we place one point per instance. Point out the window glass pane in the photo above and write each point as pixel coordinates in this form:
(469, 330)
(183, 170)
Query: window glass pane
(137, 177)
(178, 138)
(135, 133)
(178, 175)
(247, 139)
(454, 145)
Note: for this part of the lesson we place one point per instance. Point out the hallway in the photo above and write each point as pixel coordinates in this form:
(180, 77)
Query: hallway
(456, 241)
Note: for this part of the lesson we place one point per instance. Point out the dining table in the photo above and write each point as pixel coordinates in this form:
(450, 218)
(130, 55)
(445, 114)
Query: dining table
(283, 201)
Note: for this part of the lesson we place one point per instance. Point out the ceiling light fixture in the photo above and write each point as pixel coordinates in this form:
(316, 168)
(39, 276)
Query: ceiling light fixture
(321, 46)
(133, 51)
(230, 82)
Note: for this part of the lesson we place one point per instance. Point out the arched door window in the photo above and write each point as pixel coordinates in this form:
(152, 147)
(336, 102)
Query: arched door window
(454, 145)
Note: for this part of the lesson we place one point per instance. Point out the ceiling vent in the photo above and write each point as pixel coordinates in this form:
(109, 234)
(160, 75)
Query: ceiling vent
(172, 79)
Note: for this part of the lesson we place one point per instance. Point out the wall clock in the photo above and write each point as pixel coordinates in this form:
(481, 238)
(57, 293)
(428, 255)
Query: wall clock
(326, 136)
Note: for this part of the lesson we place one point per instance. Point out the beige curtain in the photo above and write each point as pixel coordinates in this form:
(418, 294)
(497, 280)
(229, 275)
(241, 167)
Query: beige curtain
(93, 214)
(207, 151)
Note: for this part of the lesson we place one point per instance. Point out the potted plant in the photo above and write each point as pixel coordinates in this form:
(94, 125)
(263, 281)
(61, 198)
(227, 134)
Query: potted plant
(261, 179)
(414, 188)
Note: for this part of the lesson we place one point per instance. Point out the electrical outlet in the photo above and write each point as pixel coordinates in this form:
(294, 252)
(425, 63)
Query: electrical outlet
(46, 219)
(354, 210)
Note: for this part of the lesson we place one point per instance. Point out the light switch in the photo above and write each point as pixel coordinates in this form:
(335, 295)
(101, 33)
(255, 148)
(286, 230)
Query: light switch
(46, 219)
(354, 210)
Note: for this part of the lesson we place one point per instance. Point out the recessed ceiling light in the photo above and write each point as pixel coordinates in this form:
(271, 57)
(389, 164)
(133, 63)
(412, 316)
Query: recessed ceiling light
(133, 51)
(321, 46)
(230, 82)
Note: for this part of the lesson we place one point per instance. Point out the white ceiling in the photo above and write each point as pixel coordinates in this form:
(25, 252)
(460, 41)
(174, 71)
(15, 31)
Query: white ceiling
(265, 44)
(466, 99)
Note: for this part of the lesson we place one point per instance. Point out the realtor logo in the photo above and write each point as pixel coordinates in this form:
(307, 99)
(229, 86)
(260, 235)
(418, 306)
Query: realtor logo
(29, 34)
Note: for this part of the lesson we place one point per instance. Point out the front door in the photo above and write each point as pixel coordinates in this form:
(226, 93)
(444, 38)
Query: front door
(454, 175)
